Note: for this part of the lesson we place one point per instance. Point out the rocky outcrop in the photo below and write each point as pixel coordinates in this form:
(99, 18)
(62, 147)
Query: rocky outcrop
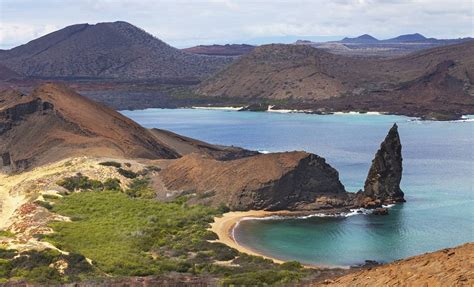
(295, 181)
(266, 181)
(261, 107)
(380, 211)
(385, 174)
(9, 116)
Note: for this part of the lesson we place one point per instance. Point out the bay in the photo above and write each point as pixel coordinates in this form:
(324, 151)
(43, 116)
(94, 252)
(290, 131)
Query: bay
(438, 180)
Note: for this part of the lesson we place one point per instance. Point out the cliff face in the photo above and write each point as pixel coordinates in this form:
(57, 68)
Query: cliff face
(385, 174)
(267, 181)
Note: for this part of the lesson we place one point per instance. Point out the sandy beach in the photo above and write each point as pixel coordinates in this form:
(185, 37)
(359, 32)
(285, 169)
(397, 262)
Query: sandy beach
(224, 225)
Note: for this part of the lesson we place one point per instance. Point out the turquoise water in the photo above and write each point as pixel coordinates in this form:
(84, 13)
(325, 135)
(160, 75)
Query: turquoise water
(438, 180)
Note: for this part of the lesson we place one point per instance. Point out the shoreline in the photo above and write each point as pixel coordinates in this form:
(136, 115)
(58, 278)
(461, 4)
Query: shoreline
(224, 226)
(462, 118)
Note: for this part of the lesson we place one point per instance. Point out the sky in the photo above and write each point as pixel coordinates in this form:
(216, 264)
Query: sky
(188, 23)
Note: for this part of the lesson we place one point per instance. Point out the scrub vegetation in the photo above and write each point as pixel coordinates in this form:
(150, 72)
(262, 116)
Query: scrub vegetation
(128, 233)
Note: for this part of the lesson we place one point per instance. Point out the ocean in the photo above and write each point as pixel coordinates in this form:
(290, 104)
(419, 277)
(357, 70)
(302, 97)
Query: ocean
(438, 180)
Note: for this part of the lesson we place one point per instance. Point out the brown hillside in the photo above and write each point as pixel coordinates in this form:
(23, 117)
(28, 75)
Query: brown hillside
(54, 122)
(279, 72)
(447, 267)
(185, 145)
(221, 50)
(434, 80)
(8, 74)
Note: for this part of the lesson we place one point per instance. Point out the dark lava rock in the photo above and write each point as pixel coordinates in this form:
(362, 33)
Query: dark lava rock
(255, 108)
(367, 264)
(380, 211)
(275, 181)
(385, 174)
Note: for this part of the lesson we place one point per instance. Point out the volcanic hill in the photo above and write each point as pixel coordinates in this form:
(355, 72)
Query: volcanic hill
(115, 50)
(54, 122)
(427, 83)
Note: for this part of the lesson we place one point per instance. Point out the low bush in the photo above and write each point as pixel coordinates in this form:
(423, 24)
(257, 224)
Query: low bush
(80, 182)
(112, 184)
(84, 183)
(139, 187)
(6, 233)
(7, 253)
(291, 266)
(44, 204)
(50, 196)
(127, 173)
(111, 163)
(153, 168)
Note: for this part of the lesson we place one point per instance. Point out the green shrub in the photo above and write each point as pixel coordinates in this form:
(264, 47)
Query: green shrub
(5, 268)
(140, 188)
(84, 183)
(7, 253)
(112, 184)
(111, 163)
(5, 233)
(50, 196)
(80, 182)
(153, 168)
(223, 252)
(291, 266)
(223, 208)
(43, 275)
(127, 173)
(44, 204)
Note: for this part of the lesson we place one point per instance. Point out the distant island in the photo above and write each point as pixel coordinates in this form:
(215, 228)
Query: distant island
(126, 68)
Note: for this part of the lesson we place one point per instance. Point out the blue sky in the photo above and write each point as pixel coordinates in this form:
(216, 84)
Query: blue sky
(188, 23)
